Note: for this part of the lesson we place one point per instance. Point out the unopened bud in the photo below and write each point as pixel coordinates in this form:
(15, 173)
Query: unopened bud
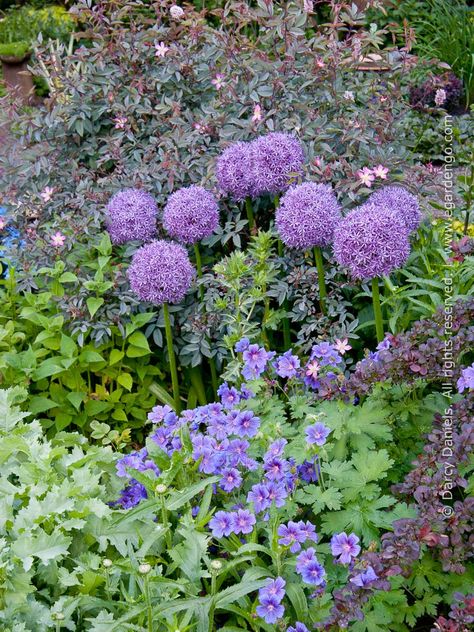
(216, 565)
(107, 563)
(144, 569)
(160, 489)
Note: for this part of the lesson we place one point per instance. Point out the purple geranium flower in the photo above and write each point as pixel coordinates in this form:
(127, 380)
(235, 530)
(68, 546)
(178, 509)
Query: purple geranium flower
(242, 345)
(221, 524)
(270, 609)
(307, 471)
(364, 579)
(161, 272)
(345, 546)
(243, 521)
(287, 365)
(273, 588)
(255, 359)
(466, 380)
(276, 468)
(305, 558)
(290, 535)
(277, 494)
(230, 396)
(247, 424)
(158, 413)
(275, 449)
(313, 573)
(308, 531)
(131, 495)
(299, 627)
(317, 434)
(260, 497)
(231, 479)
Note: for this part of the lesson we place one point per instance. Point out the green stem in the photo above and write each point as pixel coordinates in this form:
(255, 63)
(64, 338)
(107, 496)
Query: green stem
(212, 366)
(172, 358)
(166, 525)
(146, 590)
(197, 255)
(249, 209)
(318, 258)
(285, 321)
(377, 309)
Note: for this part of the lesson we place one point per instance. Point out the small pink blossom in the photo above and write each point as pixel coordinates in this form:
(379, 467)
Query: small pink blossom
(348, 95)
(383, 98)
(218, 81)
(308, 6)
(120, 122)
(318, 161)
(3, 223)
(366, 176)
(57, 240)
(46, 194)
(257, 114)
(312, 369)
(380, 172)
(320, 62)
(161, 49)
(440, 97)
(342, 345)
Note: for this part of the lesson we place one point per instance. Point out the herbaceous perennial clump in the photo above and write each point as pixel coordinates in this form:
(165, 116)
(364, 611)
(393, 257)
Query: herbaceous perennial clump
(371, 241)
(402, 202)
(278, 160)
(191, 214)
(307, 216)
(161, 272)
(131, 215)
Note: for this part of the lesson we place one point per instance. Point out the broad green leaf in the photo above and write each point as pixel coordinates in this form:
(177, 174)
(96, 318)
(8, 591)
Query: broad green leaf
(93, 304)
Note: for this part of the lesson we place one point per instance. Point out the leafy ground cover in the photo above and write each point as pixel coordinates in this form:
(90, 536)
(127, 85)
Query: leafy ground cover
(237, 324)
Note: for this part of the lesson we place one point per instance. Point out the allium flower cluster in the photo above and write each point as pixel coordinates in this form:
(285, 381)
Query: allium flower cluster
(161, 272)
(131, 215)
(371, 241)
(270, 597)
(294, 534)
(307, 216)
(278, 159)
(402, 202)
(191, 214)
(234, 169)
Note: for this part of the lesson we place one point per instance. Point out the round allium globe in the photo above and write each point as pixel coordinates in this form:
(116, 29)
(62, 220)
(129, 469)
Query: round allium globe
(307, 215)
(191, 214)
(131, 215)
(234, 171)
(276, 159)
(371, 241)
(402, 201)
(161, 272)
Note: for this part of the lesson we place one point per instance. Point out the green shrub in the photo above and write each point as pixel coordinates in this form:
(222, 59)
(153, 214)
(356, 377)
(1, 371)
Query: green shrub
(25, 23)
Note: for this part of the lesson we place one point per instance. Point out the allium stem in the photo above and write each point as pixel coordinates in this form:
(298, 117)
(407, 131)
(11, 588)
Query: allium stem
(285, 321)
(249, 209)
(318, 258)
(377, 309)
(197, 255)
(172, 358)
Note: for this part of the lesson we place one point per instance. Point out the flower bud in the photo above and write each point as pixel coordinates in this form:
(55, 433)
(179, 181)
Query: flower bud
(216, 565)
(58, 616)
(107, 563)
(144, 569)
(161, 489)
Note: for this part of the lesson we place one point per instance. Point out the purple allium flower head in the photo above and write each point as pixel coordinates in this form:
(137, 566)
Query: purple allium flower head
(298, 627)
(402, 202)
(270, 609)
(259, 496)
(231, 479)
(273, 588)
(161, 272)
(317, 434)
(221, 524)
(345, 547)
(191, 214)
(234, 171)
(290, 535)
(243, 521)
(307, 216)
(313, 573)
(130, 215)
(467, 379)
(287, 365)
(277, 158)
(364, 579)
(371, 241)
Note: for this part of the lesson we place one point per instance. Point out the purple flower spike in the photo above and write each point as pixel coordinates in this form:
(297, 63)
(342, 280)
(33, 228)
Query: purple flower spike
(277, 159)
(191, 214)
(307, 216)
(371, 241)
(270, 609)
(317, 434)
(234, 169)
(131, 215)
(402, 202)
(161, 272)
(345, 547)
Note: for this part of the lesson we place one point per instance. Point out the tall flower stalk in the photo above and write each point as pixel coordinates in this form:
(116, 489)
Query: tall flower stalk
(377, 309)
(318, 259)
(171, 358)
